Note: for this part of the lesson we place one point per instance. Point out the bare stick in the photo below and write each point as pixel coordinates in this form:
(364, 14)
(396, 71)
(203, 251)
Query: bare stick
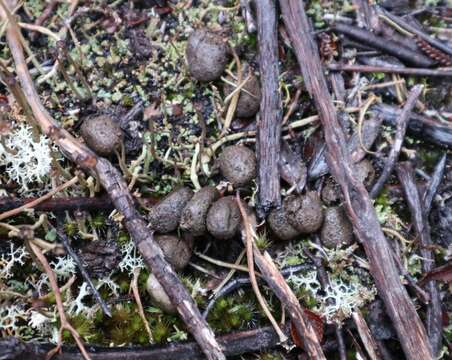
(65, 325)
(402, 124)
(360, 210)
(434, 326)
(270, 114)
(390, 70)
(249, 244)
(33, 203)
(111, 179)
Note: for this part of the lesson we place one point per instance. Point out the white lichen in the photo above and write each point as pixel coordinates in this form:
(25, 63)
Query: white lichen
(77, 306)
(10, 315)
(64, 267)
(26, 161)
(110, 283)
(131, 260)
(16, 255)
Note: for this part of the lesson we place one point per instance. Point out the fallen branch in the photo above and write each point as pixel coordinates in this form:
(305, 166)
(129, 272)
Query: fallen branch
(434, 324)
(360, 210)
(111, 179)
(270, 114)
(366, 337)
(390, 70)
(402, 123)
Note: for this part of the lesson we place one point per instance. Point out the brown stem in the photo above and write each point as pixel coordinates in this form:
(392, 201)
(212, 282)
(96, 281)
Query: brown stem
(112, 181)
(270, 114)
(360, 210)
(434, 326)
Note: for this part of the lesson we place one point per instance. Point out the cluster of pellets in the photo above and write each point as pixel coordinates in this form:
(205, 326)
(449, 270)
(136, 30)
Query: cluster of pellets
(208, 212)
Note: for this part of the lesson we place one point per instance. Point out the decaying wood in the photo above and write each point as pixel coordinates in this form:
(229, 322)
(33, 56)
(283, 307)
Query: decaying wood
(434, 324)
(410, 330)
(401, 127)
(270, 114)
(386, 45)
(112, 181)
(284, 293)
(390, 70)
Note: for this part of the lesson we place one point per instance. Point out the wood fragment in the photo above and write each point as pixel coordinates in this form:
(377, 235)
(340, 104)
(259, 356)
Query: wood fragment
(111, 179)
(360, 210)
(270, 114)
(434, 324)
(401, 127)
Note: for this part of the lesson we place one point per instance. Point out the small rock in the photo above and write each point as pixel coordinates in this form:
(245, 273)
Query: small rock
(207, 55)
(336, 229)
(193, 219)
(223, 218)
(278, 222)
(158, 295)
(177, 251)
(102, 134)
(365, 172)
(238, 164)
(249, 99)
(165, 216)
(331, 192)
(304, 212)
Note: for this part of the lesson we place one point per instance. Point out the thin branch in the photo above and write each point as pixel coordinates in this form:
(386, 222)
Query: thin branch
(433, 184)
(36, 202)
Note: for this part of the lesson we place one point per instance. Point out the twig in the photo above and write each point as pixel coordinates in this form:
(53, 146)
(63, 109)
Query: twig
(33, 203)
(390, 70)
(229, 275)
(434, 313)
(250, 248)
(65, 325)
(82, 269)
(433, 184)
(270, 115)
(111, 179)
(402, 124)
(386, 45)
(360, 210)
(136, 295)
